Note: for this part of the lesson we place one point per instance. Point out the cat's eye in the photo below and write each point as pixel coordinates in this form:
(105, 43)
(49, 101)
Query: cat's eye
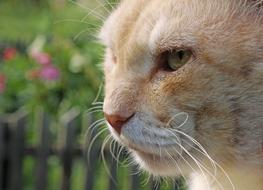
(173, 60)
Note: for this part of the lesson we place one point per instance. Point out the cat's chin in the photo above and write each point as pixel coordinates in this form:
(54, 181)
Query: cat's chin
(155, 148)
(157, 165)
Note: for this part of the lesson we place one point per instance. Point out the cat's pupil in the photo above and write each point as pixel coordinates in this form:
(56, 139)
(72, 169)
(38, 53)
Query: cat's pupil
(180, 55)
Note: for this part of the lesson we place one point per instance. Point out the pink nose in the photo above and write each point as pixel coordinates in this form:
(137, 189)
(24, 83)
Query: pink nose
(117, 121)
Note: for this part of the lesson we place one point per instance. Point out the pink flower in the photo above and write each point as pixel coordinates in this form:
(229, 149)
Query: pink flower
(49, 72)
(9, 53)
(42, 58)
(2, 83)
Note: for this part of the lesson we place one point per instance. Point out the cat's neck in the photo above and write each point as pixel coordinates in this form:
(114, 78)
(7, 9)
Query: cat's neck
(241, 179)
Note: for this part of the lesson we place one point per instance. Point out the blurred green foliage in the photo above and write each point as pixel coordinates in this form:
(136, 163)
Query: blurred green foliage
(53, 30)
(76, 59)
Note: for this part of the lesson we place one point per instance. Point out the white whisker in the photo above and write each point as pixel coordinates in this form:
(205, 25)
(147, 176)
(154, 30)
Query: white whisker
(98, 94)
(103, 6)
(82, 32)
(95, 14)
(76, 21)
(103, 158)
(201, 167)
(95, 125)
(175, 116)
(97, 8)
(177, 165)
(94, 139)
(93, 108)
(96, 111)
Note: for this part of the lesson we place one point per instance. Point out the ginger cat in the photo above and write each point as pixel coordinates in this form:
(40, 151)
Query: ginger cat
(184, 89)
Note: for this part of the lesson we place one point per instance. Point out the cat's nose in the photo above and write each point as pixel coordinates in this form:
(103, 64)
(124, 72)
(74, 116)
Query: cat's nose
(117, 121)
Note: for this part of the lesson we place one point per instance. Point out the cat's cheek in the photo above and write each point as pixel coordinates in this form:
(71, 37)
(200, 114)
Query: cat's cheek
(108, 66)
(109, 62)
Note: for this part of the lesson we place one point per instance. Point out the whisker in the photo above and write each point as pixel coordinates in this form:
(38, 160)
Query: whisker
(93, 108)
(98, 94)
(146, 180)
(104, 159)
(119, 153)
(177, 165)
(96, 8)
(112, 151)
(206, 155)
(95, 14)
(204, 152)
(98, 103)
(136, 170)
(110, 4)
(199, 165)
(194, 141)
(103, 6)
(76, 21)
(202, 167)
(95, 125)
(156, 184)
(227, 176)
(82, 32)
(199, 146)
(95, 111)
(94, 139)
(174, 117)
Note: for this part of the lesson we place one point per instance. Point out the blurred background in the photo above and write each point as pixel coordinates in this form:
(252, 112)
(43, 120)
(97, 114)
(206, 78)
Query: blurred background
(51, 93)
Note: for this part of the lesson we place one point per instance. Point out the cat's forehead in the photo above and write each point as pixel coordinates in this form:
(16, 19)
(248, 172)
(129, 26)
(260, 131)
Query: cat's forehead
(155, 21)
(123, 16)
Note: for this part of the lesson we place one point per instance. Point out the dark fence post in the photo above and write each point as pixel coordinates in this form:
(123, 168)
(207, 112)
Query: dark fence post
(5, 133)
(17, 124)
(91, 158)
(113, 173)
(69, 120)
(178, 184)
(2, 151)
(135, 179)
(12, 148)
(154, 185)
(42, 153)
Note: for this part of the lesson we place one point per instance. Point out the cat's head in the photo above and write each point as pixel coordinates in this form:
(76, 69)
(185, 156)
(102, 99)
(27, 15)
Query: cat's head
(183, 80)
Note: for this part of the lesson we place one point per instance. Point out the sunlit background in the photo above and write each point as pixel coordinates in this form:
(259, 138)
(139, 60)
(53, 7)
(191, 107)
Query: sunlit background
(50, 81)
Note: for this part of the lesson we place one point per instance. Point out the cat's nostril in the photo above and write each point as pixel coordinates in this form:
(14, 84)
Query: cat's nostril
(116, 121)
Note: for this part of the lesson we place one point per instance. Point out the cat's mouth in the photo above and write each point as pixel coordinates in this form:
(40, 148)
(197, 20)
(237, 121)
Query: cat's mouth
(151, 148)
(146, 155)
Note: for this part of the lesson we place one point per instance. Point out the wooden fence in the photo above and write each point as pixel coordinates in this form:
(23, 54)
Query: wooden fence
(13, 150)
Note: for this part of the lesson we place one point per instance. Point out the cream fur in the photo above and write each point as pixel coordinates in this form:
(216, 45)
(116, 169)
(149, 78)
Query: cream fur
(218, 98)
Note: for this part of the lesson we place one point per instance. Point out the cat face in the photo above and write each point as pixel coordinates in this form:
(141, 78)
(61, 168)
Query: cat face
(183, 83)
